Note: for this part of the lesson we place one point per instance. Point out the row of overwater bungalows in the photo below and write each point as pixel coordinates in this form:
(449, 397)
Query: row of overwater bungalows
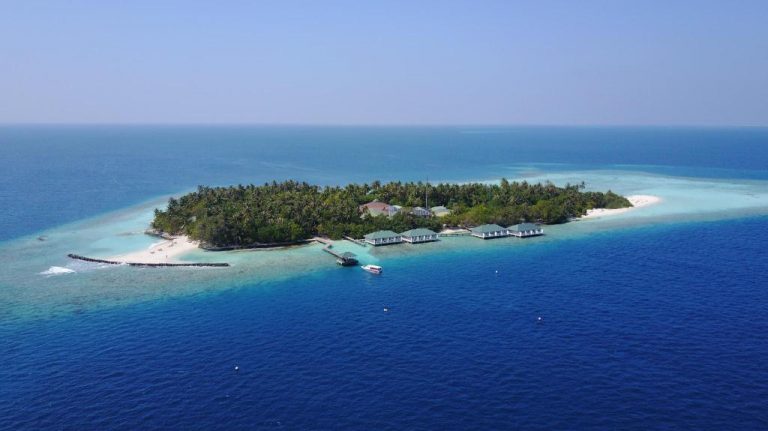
(522, 230)
(413, 236)
(486, 231)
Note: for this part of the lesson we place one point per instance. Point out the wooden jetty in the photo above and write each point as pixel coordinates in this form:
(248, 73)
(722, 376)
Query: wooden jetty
(356, 241)
(446, 235)
(151, 265)
(343, 259)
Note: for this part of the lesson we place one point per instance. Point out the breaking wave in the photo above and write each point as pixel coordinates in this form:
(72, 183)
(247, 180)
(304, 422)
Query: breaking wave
(57, 270)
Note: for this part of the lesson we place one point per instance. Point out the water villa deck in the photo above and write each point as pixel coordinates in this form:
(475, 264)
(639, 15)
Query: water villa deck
(524, 230)
(383, 237)
(414, 236)
(488, 231)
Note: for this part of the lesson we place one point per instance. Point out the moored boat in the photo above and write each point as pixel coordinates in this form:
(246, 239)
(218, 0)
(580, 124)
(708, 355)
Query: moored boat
(373, 269)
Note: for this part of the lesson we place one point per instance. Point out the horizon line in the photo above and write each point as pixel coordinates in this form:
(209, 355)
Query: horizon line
(381, 125)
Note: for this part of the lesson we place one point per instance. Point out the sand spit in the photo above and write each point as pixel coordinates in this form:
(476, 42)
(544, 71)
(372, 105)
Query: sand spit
(638, 201)
(167, 251)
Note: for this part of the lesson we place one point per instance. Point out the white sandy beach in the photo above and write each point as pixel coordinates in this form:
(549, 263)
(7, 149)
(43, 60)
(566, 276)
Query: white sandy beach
(166, 251)
(638, 201)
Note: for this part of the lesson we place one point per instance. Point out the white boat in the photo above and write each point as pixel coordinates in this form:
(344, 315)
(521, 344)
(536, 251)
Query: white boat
(373, 269)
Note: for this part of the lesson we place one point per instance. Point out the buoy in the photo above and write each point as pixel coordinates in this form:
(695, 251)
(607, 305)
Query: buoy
(386, 309)
(539, 319)
(237, 368)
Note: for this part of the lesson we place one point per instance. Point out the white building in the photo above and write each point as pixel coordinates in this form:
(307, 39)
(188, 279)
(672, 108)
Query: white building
(440, 211)
(414, 236)
(523, 230)
(488, 231)
(383, 237)
(421, 212)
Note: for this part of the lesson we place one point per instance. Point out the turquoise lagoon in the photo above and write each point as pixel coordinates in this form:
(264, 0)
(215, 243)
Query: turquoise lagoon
(28, 288)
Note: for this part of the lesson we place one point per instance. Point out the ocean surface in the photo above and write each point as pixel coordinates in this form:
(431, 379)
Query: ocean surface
(653, 319)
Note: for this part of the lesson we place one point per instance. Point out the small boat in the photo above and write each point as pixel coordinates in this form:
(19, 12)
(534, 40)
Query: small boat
(373, 269)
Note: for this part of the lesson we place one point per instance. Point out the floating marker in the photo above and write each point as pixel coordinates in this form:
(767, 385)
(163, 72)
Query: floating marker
(237, 368)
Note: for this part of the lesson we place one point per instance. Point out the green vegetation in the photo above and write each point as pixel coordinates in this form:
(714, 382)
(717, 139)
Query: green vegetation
(292, 211)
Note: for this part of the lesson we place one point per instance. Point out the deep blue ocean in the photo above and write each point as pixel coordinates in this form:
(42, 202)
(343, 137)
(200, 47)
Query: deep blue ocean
(652, 327)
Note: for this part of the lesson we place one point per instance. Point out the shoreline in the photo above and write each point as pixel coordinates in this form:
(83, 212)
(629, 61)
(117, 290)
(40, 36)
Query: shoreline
(166, 251)
(684, 201)
(170, 250)
(638, 201)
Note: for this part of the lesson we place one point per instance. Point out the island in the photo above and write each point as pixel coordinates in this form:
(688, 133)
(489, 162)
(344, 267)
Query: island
(291, 212)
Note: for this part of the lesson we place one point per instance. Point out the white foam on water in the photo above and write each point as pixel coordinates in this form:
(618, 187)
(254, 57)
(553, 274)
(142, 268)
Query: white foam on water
(57, 270)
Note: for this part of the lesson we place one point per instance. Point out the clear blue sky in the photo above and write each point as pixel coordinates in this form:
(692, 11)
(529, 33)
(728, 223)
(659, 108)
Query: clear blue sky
(389, 62)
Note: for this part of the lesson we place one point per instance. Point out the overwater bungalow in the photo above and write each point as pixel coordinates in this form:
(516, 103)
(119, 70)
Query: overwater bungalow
(440, 211)
(488, 231)
(414, 236)
(383, 237)
(524, 230)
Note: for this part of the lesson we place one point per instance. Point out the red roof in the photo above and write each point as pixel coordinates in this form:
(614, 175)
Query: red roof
(378, 206)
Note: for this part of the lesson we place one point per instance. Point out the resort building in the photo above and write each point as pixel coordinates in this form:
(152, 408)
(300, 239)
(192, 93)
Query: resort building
(420, 212)
(523, 230)
(347, 259)
(377, 208)
(414, 236)
(383, 237)
(488, 231)
(440, 211)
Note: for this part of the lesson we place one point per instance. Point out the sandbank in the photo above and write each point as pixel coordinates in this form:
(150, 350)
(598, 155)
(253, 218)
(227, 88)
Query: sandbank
(638, 201)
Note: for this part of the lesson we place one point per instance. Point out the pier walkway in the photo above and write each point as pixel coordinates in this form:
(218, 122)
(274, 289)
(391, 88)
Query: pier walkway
(344, 259)
(446, 235)
(356, 241)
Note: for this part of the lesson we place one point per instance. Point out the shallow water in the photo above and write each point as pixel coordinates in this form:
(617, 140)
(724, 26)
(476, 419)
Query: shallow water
(92, 285)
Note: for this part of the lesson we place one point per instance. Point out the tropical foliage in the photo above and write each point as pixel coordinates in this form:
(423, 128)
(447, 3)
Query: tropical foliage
(291, 211)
